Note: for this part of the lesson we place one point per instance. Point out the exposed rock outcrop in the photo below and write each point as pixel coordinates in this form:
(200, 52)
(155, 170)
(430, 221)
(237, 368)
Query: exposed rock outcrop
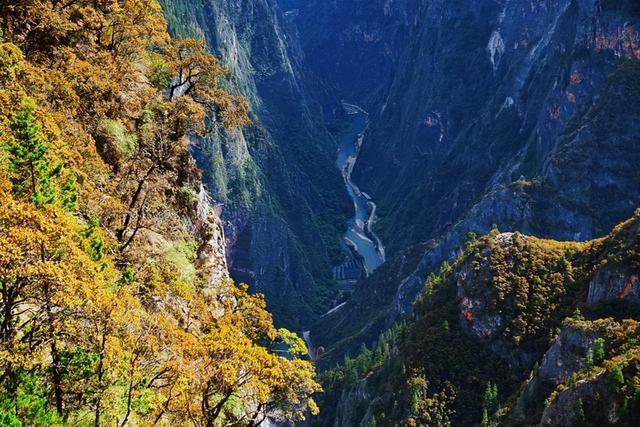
(566, 356)
(602, 406)
(614, 283)
(212, 252)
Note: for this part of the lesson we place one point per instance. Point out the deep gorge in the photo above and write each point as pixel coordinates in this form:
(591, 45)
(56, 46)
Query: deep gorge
(439, 119)
(337, 213)
(481, 116)
(320, 213)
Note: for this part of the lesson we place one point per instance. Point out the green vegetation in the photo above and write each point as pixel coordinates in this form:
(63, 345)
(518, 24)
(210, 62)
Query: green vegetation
(615, 377)
(117, 140)
(29, 166)
(578, 419)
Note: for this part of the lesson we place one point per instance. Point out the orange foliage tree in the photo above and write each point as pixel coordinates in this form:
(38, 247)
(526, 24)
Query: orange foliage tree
(99, 323)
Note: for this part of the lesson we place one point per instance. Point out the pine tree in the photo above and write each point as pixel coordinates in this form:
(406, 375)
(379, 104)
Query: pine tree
(615, 377)
(598, 351)
(578, 415)
(588, 360)
(485, 418)
(69, 194)
(470, 239)
(577, 314)
(490, 396)
(31, 173)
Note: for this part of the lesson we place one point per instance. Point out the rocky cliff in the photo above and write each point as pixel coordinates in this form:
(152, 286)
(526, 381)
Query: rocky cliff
(509, 83)
(284, 203)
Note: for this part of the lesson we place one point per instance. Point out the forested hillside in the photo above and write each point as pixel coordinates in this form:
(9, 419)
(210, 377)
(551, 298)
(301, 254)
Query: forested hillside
(518, 331)
(356, 163)
(115, 306)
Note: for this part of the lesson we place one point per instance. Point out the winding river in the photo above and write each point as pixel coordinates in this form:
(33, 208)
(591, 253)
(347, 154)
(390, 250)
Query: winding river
(359, 235)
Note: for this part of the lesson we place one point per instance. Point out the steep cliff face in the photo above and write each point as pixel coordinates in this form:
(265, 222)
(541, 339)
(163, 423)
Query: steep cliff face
(615, 283)
(565, 356)
(284, 202)
(520, 115)
(592, 370)
(474, 96)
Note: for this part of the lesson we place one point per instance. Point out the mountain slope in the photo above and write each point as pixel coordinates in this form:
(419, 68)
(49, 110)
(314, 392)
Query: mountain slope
(285, 206)
(503, 331)
(115, 302)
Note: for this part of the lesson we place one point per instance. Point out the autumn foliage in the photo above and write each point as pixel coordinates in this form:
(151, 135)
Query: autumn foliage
(107, 317)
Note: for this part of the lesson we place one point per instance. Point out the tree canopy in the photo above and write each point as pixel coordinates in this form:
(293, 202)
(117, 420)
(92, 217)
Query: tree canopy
(107, 316)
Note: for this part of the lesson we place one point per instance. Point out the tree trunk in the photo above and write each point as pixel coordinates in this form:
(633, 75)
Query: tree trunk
(57, 376)
(100, 377)
(134, 200)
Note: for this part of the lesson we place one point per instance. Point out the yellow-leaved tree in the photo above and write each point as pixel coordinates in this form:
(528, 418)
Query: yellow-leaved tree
(107, 317)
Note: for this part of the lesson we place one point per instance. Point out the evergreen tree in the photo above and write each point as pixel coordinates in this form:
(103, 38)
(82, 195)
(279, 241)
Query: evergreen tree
(363, 361)
(485, 418)
(598, 351)
(490, 396)
(588, 360)
(577, 314)
(31, 173)
(578, 415)
(489, 400)
(445, 326)
(69, 194)
(470, 239)
(615, 377)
